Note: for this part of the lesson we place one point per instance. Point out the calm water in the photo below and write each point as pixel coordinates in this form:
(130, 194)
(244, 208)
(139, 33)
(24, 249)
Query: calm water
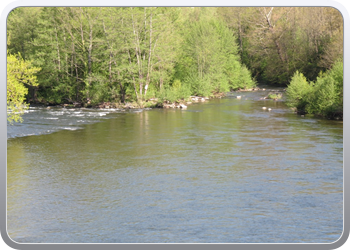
(221, 171)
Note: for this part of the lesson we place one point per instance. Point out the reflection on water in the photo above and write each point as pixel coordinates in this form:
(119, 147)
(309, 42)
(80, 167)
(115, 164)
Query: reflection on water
(221, 171)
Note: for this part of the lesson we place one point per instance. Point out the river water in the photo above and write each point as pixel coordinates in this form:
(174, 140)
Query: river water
(222, 171)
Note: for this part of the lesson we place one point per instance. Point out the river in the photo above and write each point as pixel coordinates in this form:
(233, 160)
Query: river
(221, 171)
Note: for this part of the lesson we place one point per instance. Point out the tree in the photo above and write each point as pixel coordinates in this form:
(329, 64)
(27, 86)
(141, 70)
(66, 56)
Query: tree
(298, 91)
(327, 96)
(22, 27)
(210, 56)
(20, 74)
(324, 97)
(277, 41)
(93, 55)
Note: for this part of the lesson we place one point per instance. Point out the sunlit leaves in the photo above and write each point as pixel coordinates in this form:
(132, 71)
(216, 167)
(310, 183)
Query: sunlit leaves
(19, 74)
(324, 97)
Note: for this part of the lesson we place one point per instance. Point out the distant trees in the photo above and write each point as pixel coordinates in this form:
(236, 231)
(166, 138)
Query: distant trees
(275, 42)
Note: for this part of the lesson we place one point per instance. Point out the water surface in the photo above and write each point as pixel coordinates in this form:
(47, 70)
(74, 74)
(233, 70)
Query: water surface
(223, 171)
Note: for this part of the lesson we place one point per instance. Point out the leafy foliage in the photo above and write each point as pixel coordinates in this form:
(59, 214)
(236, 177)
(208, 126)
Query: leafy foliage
(90, 54)
(20, 74)
(324, 97)
(275, 42)
(210, 60)
(327, 95)
(298, 91)
(172, 94)
(274, 96)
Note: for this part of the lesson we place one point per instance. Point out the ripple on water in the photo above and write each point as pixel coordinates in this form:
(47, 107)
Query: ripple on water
(43, 121)
(224, 174)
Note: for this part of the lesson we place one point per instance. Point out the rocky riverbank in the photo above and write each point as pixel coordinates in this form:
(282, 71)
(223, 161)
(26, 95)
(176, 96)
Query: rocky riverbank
(150, 103)
(153, 102)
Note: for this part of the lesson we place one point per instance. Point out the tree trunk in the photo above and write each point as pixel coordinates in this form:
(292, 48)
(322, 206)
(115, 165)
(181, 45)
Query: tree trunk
(149, 56)
(90, 53)
(138, 55)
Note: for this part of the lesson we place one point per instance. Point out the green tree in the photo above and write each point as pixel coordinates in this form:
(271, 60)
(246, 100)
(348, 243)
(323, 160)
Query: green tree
(22, 30)
(277, 41)
(52, 56)
(20, 74)
(298, 91)
(324, 97)
(210, 59)
(22, 27)
(327, 96)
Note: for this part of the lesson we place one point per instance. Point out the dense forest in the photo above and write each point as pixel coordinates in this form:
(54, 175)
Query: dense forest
(89, 55)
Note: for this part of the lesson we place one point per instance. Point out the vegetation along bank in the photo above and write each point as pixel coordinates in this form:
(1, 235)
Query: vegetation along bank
(161, 56)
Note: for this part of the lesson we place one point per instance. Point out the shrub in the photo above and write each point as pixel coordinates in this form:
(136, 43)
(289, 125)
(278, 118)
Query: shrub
(298, 91)
(174, 93)
(274, 96)
(327, 96)
(239, 76)
(246, 80)
(324, 97)
(19, 72)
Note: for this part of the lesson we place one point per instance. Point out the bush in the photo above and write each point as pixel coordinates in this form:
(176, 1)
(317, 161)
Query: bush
(327, 96)
(324, 97)
(19, 72)
(175, 92)
(298, 91)
(199, 86)
(239, 76)
(246, 80)
(274, 96)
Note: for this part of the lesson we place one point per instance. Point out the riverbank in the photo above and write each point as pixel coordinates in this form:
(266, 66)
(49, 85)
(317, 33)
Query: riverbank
(272, 94)
(150, 103)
